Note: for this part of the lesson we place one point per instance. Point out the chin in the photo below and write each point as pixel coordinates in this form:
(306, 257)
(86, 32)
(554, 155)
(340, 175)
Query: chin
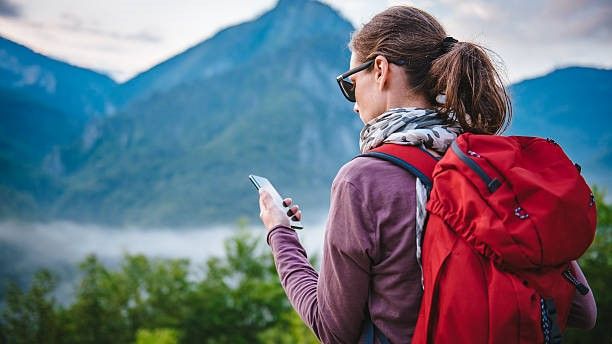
(367, 118)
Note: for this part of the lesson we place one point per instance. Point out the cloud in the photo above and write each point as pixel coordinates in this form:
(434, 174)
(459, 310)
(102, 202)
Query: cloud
(531, 37)
(534, 21)
(73, 23)
(9, 9)
(53, 246)
(585, 18)
(541, 21)
(54, 242)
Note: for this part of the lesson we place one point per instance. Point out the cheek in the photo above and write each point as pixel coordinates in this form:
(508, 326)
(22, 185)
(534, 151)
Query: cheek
(372, 105)
(370, 97)
(363, 93)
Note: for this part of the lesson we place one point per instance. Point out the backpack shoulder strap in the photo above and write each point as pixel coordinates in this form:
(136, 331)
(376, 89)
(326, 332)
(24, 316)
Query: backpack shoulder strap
(420, 164)
(414, 159)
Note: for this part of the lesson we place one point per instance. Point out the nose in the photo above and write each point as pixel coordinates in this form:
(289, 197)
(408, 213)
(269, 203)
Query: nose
(356, 108)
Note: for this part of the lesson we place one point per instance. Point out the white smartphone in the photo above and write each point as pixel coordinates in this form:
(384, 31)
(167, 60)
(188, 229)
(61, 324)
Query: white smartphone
(264, 183)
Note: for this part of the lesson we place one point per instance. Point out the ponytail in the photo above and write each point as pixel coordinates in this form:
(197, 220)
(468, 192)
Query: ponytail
(475, 93)
(436, 64)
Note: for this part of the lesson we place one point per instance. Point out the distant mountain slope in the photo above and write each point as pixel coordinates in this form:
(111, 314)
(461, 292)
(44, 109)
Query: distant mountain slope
(290, 23)
(257, 98)
(570, 106)
(183, 156)
(44, 105)
(53, 83)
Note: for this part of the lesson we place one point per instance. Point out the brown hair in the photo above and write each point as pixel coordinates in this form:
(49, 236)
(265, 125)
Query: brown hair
(463, 71)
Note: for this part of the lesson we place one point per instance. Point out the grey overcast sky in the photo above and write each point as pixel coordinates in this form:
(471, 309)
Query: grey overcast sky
(125, 37)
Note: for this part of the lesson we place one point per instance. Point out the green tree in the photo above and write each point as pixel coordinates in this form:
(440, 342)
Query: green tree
(239, 298)
(596, 264)
(29, 317)
(97, 316)
(166, 288)
(157, 336)
(111, 306)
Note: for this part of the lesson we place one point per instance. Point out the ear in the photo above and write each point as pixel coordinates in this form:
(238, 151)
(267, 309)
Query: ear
(381, 71)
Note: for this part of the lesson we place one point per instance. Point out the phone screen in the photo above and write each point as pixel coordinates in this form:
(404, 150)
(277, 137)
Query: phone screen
(264, 183)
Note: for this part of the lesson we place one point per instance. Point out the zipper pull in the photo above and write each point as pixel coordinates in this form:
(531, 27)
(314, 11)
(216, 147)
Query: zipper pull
(582, 289)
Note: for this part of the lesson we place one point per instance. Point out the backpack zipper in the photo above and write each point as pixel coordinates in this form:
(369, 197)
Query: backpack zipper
(550, 326)
(492, 183)
(582, 289)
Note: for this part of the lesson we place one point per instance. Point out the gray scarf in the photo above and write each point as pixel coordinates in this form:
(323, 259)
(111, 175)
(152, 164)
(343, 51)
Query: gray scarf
(417, 127)
(409, 126)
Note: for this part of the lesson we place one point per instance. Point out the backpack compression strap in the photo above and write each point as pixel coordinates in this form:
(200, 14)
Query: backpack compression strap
(411, 158)
(420, 164)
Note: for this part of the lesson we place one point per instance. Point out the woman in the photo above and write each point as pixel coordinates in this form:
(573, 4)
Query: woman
(411, 84)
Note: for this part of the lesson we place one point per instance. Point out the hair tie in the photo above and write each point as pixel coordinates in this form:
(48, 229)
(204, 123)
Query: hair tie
(447, 44)
(449, 39)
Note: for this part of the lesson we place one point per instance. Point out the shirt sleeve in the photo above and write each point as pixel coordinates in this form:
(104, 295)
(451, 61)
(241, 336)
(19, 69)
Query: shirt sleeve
(583, 311)
(333, 304)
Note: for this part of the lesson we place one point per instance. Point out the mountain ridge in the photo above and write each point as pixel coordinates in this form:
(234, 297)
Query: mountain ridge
(180, 155)
(180, 67)
(213, 127)
(18, 45)
(80, 88)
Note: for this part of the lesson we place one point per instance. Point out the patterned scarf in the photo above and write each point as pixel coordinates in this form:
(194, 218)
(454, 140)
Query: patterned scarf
(411, 126)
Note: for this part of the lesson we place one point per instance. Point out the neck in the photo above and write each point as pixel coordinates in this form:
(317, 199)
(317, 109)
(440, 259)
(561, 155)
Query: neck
(404, 100)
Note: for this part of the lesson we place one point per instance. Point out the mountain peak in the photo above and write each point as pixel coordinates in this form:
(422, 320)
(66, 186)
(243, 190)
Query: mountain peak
(289, 25)
(308, 16)
(293, 3)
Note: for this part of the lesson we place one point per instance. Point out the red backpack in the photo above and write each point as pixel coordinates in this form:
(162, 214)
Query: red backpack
(506, 216)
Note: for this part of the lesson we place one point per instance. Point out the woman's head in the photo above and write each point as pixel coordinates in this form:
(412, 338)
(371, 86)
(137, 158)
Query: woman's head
(407, 39)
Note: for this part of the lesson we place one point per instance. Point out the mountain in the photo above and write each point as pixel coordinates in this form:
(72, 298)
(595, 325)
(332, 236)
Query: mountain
(44, 105)
(53, 83)
(179, 152)
(265, 38)
(256, 98)
(568, 105)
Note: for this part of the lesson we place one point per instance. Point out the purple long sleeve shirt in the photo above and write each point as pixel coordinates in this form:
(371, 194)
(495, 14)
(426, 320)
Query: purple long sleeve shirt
(369, 243)
(369, 260)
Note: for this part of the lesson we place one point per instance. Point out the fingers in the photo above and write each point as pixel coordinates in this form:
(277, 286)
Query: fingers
(266, 201)
(295, 213)
(293, 210)
(298, 216)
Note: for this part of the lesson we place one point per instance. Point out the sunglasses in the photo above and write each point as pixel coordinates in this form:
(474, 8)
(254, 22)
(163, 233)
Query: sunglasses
(346, 85)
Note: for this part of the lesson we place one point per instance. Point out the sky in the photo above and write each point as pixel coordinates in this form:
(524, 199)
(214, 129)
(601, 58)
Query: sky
(125, 37)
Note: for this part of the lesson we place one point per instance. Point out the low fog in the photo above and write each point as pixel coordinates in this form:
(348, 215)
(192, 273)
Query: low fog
(60, 246)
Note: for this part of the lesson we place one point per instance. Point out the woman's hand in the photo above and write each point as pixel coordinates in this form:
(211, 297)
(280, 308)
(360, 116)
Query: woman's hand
(273, 215)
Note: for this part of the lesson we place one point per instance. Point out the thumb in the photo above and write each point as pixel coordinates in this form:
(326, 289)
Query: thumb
(264, 199)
